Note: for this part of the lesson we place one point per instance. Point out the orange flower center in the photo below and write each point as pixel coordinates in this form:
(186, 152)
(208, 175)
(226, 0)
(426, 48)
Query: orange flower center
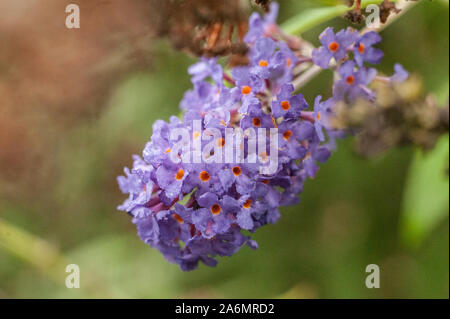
(221, 142)
(266, 181)
(178, 218)
(167, 151)
(236, 170)
(318, 116)
(246, 90)
(216, 209)
(361, 48)
(247, 203)
(287, 135)
(288, 62)
(334, 46)
(204, 176)
(285, 105)
(196, 134)
(179, 175)
(350, 80)
(263, 63)
(256, 121)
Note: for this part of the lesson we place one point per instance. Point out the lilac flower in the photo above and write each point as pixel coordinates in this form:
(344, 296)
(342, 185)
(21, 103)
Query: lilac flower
(363, 50)
(400, 74)
(291, 132)
(246, 207)
(333, 45)
(202, 94)
(239, 176)
(217, 117)
(288, 105)
(204, 69)
(248, 83)
(214, 217)
(139, 192)
(270, 198)
(256, 118)
(321, 113)
(267, 62)
(158, 149)
(170, 178)
(289, 60)
(353, 82)
(259, 26)
(315, 154)
(204, 177)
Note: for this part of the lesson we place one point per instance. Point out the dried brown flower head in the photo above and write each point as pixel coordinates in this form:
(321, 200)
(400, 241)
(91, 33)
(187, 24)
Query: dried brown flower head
(203, 27)
(264, 4)
(385, 10)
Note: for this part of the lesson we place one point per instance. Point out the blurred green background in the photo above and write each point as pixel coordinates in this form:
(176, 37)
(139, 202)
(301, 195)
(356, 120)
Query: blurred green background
(391, 210)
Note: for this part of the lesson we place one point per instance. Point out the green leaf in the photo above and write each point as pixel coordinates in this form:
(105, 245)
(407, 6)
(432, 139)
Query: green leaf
(308, 19)
(426, 197)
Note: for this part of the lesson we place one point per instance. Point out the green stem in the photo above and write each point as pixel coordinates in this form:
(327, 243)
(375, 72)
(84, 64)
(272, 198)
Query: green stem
(32, 250)
(48, 259)
(308, 19)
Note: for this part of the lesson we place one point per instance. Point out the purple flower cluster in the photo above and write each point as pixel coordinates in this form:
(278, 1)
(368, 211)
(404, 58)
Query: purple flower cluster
(195, 211)
(354, 76)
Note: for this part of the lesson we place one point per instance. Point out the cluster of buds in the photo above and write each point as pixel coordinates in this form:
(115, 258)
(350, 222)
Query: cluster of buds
(403, 115)
(248, 143)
